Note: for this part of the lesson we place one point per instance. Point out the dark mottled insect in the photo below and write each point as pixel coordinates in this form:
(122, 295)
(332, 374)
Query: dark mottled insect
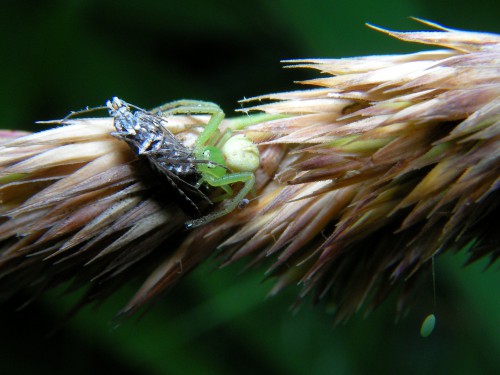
(147, 135)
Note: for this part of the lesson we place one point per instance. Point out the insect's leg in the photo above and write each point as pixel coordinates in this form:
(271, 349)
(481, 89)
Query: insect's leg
(246, 177)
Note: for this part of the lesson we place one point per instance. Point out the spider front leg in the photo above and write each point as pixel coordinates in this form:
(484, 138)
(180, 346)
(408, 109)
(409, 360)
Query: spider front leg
(247, 177)
(193, 107)
(179, 106)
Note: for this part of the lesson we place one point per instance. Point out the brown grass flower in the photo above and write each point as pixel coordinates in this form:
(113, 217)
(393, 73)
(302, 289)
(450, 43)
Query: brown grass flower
(386, 162)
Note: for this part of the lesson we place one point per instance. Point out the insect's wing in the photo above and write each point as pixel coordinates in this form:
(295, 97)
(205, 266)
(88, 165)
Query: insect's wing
(191, 197)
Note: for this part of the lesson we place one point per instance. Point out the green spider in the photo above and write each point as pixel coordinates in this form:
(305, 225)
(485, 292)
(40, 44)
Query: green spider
(220, 161)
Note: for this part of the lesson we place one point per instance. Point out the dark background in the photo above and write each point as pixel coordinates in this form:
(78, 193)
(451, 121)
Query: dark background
(59, 56)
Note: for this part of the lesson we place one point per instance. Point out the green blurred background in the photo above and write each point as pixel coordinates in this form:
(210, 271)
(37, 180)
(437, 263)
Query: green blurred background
(58, 56)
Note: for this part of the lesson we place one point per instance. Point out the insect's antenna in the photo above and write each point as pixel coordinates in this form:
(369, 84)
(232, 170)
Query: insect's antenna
(73, 114)
(85, 110)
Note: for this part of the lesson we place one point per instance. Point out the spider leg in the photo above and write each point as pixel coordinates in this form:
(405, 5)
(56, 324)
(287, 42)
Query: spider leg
(246, 177)
(199, 106)
(192, 107)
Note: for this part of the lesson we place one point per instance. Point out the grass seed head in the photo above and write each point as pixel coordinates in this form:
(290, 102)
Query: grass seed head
(385, 162)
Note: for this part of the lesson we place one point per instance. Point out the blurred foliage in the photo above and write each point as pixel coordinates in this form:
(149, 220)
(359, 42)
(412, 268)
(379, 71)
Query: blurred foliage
(64, 55)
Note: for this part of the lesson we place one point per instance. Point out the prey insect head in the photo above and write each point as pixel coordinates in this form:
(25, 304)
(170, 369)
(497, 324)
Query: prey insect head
(115, 104)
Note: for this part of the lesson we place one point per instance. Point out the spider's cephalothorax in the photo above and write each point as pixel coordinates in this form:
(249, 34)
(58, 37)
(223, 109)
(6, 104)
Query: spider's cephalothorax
(214, 162)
